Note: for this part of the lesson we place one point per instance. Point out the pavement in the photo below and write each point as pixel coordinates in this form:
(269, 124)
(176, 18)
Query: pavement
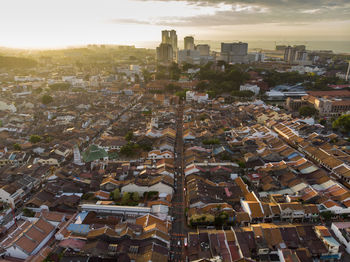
(178, 231)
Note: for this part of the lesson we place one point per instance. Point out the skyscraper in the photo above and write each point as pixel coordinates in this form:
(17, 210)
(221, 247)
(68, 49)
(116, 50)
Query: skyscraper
(189, 43)
(170, 37)
(165, 53)
(295, 54)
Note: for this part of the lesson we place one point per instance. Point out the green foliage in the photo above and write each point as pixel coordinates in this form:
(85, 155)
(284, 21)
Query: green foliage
(115, 194)
(130, 149)
(37, 90)
(212, 141)
(241, 164)
(221, 219)
(174, 71)
(46, 99)
(323, 122)
(203, 219)
(28, 213)
(307, 111)
(147, 112)
(186, 66)
(125, 198)
(245, 93)
(171, 72)
(342, 123)
(218, 82)
(327, 215)
(225, 156)
(88, 196)
(0, 123)
(171, 88)
(17, 147)
(129, 136)
(150, 194)
(48, 139)
(274, 78)
(10, 62)
(146, 75)
(135, 196)
(181, 94)
(60, 86)
(203, 116)
(35, 139)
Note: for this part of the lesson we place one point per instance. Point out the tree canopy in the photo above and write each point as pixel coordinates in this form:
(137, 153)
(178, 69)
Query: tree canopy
(35, 139)
(17, 147)
(307, 111)
(342, 123)
(60, 86)
(46, 99)
(129, 136)
(16, 62)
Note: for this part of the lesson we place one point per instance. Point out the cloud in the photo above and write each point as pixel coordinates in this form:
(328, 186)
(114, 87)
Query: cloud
(250, 12)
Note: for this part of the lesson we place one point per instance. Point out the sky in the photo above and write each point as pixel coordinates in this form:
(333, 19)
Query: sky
(61, 23)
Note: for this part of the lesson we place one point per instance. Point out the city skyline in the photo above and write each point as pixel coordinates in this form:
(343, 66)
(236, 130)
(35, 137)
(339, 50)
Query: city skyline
(56, 24)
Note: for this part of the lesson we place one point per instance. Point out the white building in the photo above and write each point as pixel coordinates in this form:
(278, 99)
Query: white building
(160, 187)
(247, 87)
(28, 239)
(342, 231)
(197, 97)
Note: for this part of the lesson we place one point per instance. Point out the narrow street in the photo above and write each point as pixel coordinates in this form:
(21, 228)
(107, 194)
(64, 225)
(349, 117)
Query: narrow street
(178, 232)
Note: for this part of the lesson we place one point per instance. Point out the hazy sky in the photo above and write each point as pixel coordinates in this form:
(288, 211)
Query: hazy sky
(57, 23)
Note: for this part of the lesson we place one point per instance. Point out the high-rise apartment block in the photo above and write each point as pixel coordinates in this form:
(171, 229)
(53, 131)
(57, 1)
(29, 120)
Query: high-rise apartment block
(189, 43)
(165, 53)
(170, 37)
(234, 52)
(295, 54)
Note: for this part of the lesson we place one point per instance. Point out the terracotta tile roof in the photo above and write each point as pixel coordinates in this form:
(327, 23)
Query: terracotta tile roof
(34, 235)
(51, 216)
(255, 209)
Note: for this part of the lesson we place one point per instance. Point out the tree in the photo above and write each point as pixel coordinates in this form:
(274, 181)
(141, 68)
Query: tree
(327, 215)
(174, 71)
(125, 198)
(129, 149)
(135, 196)
(60, 86)
(129, 136)
(35, 139)
(323, 122)
(146, 75)
(307, 111)
(46, 99)
(28, 213)
(212, 141)
(38, 90)
(17, 147)
(116, 194)
(342, 123)
(181, 94)
(245, 93)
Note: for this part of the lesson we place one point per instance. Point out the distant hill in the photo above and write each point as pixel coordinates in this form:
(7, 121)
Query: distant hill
(16, 62)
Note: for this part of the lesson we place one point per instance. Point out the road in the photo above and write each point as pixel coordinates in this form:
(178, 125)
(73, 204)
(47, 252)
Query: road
(178, 232)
